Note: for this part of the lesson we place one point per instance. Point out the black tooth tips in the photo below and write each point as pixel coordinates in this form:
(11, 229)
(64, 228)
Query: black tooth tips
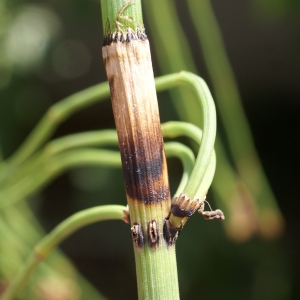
(117, 37)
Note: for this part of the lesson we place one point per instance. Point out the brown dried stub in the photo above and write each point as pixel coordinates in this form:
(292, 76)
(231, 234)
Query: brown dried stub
(137, 235)
(153, 234)
(126, 215)
(182, 209)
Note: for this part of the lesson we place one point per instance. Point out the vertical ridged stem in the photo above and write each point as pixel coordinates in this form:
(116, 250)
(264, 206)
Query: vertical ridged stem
(127, 60)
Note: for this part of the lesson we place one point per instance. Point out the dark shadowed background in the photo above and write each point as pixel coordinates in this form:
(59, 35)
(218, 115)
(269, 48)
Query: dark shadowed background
(50, 49)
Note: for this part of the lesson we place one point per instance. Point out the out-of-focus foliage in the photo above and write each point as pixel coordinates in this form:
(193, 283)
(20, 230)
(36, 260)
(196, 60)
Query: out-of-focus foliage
(25, 38)
(277, 9)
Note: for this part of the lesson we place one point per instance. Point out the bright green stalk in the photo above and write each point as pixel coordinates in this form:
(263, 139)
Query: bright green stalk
(233, 116)
(155, 259)
(55, 237)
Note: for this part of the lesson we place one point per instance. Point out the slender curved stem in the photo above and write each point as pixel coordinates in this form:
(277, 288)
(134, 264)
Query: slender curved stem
(187, 157)
(175, 129)
(53, 167)
(58, 113)
(55, 237)
(209, 124)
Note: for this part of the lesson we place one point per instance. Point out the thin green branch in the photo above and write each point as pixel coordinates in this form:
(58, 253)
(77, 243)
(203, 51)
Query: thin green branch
(175, 129)
(53, 167)
(57, 146)
(56, 114)
(55, 237)
(208, 123)
(187, 157)
(97, 138)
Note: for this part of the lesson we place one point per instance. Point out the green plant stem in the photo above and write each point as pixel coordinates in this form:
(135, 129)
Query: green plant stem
(56, 236)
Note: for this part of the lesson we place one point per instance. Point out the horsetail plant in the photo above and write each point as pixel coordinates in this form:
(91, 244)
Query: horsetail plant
(155, 227)
(155, 220)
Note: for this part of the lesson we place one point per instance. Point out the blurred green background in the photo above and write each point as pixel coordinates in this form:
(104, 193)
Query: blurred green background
(50, 49)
